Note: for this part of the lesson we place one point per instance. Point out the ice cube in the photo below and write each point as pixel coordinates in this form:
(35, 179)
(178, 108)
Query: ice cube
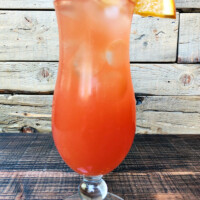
(109, 57)
(82, 63)
(82, 58)
(112, 12)
(117, 53)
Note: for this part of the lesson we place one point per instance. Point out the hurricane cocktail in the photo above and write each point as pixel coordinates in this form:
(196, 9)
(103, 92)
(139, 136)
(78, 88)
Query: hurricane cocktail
(94, 116)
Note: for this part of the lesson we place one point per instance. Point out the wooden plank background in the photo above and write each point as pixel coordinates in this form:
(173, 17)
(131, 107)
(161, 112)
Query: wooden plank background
(48, 4)
(148, 79)
(33, 35)
(165, 69)
(189, 38)
(155, 114)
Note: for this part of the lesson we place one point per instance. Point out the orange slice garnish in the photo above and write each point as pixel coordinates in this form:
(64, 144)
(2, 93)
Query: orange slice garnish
(155, 8)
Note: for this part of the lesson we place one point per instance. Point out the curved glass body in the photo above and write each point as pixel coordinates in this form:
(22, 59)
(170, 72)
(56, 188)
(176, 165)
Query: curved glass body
(94, 115)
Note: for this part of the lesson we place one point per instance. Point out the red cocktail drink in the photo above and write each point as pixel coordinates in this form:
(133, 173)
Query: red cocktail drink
(94, 112)
(94, 105)
(93, 119)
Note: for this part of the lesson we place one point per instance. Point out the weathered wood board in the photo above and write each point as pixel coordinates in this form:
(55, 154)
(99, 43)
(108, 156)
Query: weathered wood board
(189, 38)
(29, 44)
(166, 79)
(33, 36)
(48, 4)
(27, 4)
(20, 110)
(28, 35)
(36, 77)
(157, 167)
(177, 115)
(153, 39)
(187, 3)
(151, 79)
(165, 115)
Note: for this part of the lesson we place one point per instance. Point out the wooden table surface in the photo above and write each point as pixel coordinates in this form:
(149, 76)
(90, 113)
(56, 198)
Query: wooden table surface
(157, 167)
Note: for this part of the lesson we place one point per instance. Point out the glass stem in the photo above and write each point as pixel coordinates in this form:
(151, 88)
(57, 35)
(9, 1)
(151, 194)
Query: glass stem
(93, 187)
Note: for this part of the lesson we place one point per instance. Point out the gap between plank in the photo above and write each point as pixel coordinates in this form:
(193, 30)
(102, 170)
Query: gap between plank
(28, 93)
(180, 10)
(56, 61)
(177, 47)
(27, 9)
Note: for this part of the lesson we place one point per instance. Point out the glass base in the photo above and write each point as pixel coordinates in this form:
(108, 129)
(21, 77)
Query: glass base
(93, 188)
(108, 197)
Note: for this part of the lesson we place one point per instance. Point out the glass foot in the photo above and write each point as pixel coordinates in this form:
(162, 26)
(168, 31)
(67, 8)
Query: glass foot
(93, 188)
(108, 197)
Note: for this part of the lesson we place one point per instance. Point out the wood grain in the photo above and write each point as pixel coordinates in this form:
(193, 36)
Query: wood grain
(189, 38)
(177, 115)
(165, 115)
(33, 35)
(151, 79)
(166, 79)
(36, 77)
(48, 4)
(157, 167)
(18, 111)
(30, 35)
(187, 3)
(28, 4)
(153, 39)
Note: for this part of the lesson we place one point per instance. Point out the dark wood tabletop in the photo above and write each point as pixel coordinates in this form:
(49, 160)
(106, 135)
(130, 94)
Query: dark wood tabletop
(157, 167)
